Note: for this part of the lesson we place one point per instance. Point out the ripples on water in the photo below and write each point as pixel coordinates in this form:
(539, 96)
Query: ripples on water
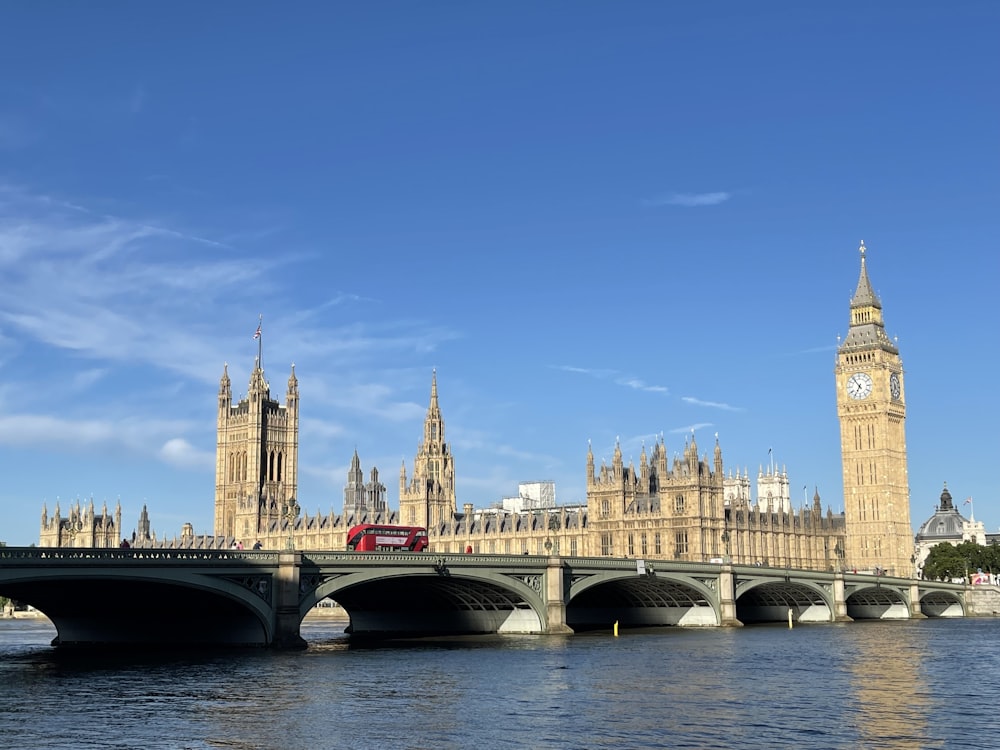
(882, 685)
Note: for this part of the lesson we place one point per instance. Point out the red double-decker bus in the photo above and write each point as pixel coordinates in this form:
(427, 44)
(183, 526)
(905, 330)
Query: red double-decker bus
(368, 537)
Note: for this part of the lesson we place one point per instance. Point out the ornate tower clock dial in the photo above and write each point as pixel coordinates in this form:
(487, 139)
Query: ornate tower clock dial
(894, 386)
(859, 385)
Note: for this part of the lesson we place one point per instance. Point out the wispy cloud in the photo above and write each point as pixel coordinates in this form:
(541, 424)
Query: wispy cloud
(148, 436)
(139, 293)
(691, 428)
(711, 404)
(615, 376)
(179, 452)
(639, 385)
(688, 200)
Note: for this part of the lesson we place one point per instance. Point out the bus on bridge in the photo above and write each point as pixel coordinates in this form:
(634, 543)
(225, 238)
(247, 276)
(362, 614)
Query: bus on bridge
(368, 537)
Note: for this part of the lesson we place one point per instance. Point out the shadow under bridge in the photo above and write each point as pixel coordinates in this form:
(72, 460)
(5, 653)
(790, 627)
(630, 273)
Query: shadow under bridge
(597, 601)
(770, 601)
(437, 599)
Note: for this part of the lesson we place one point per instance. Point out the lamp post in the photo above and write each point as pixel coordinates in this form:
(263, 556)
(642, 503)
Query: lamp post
(725, 541)
(291, 513)
(839, 552)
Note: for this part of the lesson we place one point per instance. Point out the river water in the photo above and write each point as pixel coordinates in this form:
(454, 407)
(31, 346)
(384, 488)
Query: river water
(879, 685)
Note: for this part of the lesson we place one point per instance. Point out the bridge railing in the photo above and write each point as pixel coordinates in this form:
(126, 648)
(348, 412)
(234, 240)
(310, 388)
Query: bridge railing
(33, 555)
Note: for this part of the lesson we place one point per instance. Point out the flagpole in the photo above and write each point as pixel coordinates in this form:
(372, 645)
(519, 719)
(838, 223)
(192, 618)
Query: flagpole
(260, 341)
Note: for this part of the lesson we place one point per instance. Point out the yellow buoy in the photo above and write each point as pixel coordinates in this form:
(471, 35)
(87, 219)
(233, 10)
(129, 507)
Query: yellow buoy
(616, 628)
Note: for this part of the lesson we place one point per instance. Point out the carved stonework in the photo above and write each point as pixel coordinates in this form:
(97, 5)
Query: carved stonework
(534, 582)
(313, 581)
(260, 585)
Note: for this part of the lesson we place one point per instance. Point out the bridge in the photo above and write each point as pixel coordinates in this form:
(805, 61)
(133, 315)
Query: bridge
(248, 597)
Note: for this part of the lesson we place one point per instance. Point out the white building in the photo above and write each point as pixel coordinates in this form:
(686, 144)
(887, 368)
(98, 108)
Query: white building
(531, 496)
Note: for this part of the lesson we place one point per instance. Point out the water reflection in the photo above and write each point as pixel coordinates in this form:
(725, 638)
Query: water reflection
(889, 697)
(863, 685)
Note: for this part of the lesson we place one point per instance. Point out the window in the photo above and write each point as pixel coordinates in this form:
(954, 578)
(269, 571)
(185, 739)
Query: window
(679, 504)
(607, 548)
(680, 543)
(605, 508)
(657, 544)
(631, 545)
(643, 547)
(572, 547)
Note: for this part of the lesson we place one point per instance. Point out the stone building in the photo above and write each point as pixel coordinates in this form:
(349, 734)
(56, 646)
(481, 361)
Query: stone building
(946, 524)
(428, 497)
(363, 499)
(871, 407)
(257, 449)
(81, 527)
(680, 509)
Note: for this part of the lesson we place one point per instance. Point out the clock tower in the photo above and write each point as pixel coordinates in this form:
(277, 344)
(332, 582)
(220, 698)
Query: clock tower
(872, 411)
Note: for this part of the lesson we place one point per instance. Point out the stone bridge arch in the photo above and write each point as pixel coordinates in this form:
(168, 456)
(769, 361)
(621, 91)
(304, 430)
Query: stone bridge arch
(941, 604)
(441, 598)
(168, 607)
(598, 600)
(766, 599)
(877, 601)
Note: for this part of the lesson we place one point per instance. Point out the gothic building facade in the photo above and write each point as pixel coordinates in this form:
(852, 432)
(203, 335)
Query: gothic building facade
(81, 526)
(428, 497)
(363, 499)
(871, 407)
(679, 509)
(257, 450)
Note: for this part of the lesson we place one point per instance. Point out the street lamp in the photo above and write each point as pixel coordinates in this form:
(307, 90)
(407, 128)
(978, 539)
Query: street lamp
(725, 541)
(291, 513)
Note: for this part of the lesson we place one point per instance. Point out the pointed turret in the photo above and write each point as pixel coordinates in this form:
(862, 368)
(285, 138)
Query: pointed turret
(946, 501)
(867, 329)
(590, 463)
(864, 296)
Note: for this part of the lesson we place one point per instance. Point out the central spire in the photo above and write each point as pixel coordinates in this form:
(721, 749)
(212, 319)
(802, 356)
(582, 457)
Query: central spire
(864, 295)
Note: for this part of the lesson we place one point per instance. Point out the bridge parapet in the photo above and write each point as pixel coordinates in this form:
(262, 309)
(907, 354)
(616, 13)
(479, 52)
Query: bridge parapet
(32, 555)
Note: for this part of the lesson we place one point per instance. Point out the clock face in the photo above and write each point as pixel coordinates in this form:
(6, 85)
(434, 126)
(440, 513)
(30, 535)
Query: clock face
(859, 385)
(894, 385)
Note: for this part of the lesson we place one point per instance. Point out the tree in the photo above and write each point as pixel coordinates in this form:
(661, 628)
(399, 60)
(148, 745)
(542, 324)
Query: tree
(946, 561)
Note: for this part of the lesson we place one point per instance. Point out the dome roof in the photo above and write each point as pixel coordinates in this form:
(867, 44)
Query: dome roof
(945, 524)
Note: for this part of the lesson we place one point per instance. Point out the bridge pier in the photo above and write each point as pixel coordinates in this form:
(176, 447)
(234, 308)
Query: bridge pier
(555, 597)
(840, 599)
(727, 598)
(916, 613)
(286, 601)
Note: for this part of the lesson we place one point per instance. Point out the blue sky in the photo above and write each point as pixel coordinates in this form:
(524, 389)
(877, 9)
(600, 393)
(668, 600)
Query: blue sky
(597, 220)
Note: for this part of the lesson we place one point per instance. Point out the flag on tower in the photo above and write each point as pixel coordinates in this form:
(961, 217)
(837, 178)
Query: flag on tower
(256, 334)
(967, 501)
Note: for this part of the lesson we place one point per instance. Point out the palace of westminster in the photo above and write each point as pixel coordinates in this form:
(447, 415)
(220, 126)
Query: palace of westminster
(683, 509)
